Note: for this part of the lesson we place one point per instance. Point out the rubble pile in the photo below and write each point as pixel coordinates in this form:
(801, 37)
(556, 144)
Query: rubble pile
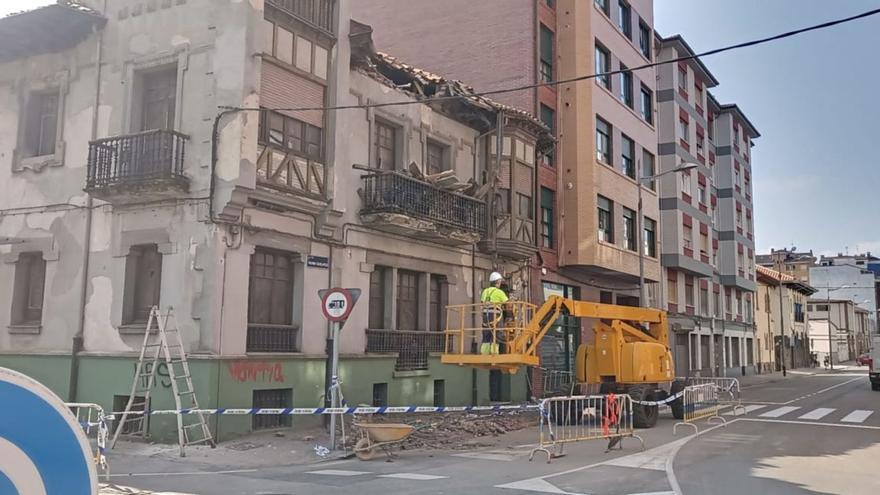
(448, 181)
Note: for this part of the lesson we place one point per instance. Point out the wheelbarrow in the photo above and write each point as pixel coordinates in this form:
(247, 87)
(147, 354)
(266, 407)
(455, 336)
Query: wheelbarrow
(380, 436)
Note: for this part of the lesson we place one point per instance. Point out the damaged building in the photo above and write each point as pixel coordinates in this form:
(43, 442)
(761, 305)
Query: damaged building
(229, 160)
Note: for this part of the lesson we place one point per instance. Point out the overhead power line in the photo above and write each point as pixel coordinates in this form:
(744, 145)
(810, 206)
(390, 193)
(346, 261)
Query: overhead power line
(513, 89)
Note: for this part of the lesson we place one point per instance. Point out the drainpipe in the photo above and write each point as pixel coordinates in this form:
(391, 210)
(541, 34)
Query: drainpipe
(77, 344)
(474, 386)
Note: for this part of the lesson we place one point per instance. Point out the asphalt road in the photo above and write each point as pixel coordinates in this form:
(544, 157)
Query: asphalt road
(802, 435)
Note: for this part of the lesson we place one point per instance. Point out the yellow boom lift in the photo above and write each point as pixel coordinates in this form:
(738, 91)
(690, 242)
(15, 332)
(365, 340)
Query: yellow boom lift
(629, 352)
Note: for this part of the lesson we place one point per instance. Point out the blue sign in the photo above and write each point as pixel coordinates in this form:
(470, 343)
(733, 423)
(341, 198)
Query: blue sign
(43, 450)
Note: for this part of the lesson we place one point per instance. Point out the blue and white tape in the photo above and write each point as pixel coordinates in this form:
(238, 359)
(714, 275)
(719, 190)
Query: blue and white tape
(305, 411)
(659, 402)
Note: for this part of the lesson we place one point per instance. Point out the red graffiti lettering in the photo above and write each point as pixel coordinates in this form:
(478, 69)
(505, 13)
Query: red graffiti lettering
(248, 371)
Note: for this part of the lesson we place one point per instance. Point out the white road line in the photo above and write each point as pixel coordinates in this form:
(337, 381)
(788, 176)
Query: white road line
(412, 476)
(487, 456)
(185, 473)
(338, 472)
(779, 412)
(749, 408)
(808, 423)
(857, 416)
(818, 413)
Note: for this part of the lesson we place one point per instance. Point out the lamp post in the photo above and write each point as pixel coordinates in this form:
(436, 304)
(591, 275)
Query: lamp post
(684, 167)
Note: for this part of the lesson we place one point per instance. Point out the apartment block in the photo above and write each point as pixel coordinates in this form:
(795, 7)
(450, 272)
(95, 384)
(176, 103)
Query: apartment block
(838, 325)
(589, 242)
(707, 246)
(153, 155)
(848, 277)
(789, 262)
(781, 317)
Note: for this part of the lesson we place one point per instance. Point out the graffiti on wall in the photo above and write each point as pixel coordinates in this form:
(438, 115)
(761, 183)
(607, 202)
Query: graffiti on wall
(256, 371)
(162, 376)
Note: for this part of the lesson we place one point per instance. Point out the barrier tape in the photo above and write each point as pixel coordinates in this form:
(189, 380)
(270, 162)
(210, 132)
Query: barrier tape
(659, 402)
(294, 411)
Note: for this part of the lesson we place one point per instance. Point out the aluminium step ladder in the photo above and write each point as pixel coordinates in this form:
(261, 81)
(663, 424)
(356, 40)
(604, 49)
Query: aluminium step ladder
(163, 341)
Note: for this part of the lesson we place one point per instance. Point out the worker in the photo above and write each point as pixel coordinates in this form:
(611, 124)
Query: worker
(492, 315)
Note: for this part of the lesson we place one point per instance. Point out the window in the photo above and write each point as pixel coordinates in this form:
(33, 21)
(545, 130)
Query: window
(603, 66)
(701, 141)
(606, 219)
(647, 105)
(716, 304)
(546, 54)
(629, 229)
(704, 243)
(684, 130)
(548, 202)
(603, 5)
(799, 312)
(685, 179)
(524, 208)
(698, 94)
(688, 236)
(624, 19)
(704, 301)
(380, 395)
(682, 79)
(274, 399)
(740, 261)
(303, 54)
(603, 141)
(672, 290)
(711, 126)
(407, 300)
(739, 303)
(728, 305)
(645, 40)
(626, 87)
(548, 117)
(739, 218)
(648, 169)
(292, 134)
(627, 152)
(270, 294)
(737, 178)
(689, 291)
(439, 393)
(386, 146)
(439, 298)
(701, 193)
(436, 155)
(143, 278)
(41, 123)
(650, 237)
(27, 292)
(377, 299)
(749, 230)
(158, 99)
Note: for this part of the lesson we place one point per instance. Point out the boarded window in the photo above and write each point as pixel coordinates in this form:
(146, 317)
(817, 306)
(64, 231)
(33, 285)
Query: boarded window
(386, 145)
(377, 299)
(143, 281)
(407, 300)
(436, 157)
(439, 298)
(272, 398)
(270, 295)
(41, 123)
(158, 99)
(27, 295)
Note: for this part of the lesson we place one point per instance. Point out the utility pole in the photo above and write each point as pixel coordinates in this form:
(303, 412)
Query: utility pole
(782, 326)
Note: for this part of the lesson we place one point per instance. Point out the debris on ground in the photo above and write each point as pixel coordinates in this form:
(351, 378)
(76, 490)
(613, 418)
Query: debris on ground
(455, 431)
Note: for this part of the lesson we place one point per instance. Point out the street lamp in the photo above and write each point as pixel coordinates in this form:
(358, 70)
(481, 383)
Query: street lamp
(683, 168)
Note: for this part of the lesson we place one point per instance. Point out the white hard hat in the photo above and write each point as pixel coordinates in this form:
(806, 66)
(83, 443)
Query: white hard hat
(495, 276)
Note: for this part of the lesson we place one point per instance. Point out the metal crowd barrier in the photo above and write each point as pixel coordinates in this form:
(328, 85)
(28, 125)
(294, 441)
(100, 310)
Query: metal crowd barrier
(729, 391)
(94, 423)
(584, 417)
(556, 382)
(700, 401)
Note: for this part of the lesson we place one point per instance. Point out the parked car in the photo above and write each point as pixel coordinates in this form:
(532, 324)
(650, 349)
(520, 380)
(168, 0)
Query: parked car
(863, 359)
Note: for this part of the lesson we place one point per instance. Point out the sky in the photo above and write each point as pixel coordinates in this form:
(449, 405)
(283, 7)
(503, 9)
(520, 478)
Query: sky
(812, 99)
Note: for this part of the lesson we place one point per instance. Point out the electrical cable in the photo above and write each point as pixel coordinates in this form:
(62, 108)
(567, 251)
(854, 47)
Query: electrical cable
(559, 82)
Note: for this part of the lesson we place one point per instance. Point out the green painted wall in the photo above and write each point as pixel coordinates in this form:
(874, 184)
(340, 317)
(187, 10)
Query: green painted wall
(230, 383)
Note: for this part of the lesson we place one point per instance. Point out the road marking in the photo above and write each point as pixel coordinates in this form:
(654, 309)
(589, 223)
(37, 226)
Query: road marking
(749, 408)
(535, 485)
(412, 476)
(487, 456)
(338, 472)
(732, 438)
(857, 416)
(817, 413)
(185, 473)
(779, 412)
(808, 423)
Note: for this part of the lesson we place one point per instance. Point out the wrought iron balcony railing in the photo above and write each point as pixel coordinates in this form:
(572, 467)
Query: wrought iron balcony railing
(316, 12)
(271, 338)
(412, 346)
(136, 158)
(394, 192)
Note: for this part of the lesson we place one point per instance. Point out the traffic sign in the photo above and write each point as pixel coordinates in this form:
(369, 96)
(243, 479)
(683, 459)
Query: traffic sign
(337, 303)
(43, 450)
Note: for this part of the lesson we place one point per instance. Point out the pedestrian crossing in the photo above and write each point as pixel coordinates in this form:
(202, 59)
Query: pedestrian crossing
(857, 416)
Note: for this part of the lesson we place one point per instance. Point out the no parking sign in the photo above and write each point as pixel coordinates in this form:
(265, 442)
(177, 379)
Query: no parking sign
(43, 450)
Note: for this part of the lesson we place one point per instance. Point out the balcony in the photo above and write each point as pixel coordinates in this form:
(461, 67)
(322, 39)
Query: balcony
(318, 13)
(411, 346)
(400, 204)
(271, 338)
(137, 167)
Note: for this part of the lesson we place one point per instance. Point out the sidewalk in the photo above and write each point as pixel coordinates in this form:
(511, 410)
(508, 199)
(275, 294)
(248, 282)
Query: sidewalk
(756, 380)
